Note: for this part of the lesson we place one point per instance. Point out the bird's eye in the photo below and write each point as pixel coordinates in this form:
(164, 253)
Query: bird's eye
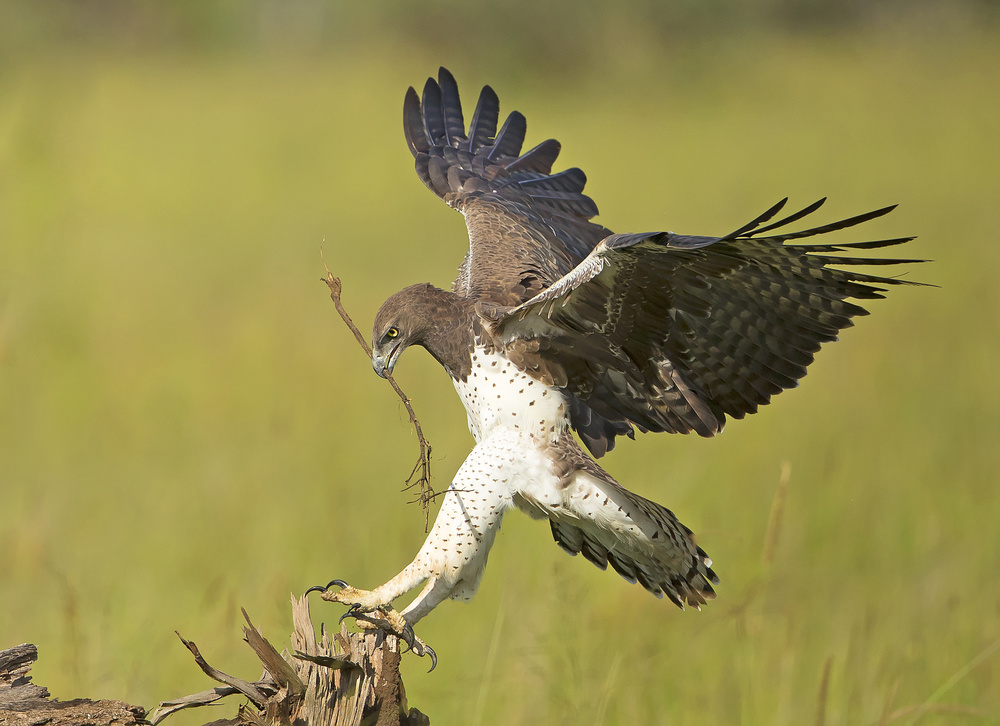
(392, 332)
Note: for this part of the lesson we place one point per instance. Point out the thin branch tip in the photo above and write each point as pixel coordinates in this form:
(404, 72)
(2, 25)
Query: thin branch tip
(423, 465)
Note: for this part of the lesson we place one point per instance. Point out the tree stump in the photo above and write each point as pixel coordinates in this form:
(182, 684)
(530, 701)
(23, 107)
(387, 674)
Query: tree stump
(347, 679)
(350, 679)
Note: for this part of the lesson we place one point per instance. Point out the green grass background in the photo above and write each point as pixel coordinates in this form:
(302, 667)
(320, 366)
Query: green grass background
(186, 427)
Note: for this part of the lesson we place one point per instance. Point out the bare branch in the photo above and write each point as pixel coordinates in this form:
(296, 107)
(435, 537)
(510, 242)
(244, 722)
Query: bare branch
(250, 690)
(420, 476)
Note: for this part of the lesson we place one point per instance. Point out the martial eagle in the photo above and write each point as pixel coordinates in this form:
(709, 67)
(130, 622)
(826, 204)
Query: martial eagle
(555, 325)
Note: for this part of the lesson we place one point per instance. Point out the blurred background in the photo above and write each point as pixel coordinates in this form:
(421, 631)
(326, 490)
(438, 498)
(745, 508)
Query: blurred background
(187, 427)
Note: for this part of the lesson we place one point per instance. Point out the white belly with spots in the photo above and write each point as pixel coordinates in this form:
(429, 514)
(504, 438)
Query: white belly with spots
(498, 395)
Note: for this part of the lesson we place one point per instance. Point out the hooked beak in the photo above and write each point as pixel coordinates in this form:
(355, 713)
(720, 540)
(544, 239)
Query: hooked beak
(383, 364)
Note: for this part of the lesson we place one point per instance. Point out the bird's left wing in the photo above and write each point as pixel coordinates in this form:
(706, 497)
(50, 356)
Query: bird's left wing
(672, 333)
(527, 225)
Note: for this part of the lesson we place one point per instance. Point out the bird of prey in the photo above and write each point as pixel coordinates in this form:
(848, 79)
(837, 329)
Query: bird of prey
(556, 325)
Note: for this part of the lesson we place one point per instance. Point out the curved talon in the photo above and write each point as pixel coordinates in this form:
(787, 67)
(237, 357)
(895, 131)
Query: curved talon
(355, 612)
(408, 636)
(320, 588)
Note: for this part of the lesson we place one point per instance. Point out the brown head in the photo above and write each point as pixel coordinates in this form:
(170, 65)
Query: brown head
(424, 315)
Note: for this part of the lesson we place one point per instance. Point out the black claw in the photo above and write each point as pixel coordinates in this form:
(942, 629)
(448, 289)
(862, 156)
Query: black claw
(354, 612)
(406, 639)
(409, 637)
(320, 588)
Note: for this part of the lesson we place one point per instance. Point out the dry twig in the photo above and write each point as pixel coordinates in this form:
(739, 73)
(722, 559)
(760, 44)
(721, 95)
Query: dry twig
(420, 476)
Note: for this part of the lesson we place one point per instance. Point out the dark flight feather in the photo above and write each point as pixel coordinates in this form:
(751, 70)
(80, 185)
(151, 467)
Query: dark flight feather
(652, 331)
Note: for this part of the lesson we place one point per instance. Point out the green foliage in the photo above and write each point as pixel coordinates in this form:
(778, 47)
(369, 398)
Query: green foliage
(186, 426)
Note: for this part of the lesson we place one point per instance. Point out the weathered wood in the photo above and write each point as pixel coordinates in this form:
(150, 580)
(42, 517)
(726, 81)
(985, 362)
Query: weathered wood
(22, 703)
(348, 679)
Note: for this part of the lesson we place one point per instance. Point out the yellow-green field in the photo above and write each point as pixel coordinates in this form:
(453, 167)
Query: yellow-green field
(186, 427)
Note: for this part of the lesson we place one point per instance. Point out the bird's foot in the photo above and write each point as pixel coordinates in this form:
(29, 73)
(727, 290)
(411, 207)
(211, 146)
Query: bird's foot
(370, 614)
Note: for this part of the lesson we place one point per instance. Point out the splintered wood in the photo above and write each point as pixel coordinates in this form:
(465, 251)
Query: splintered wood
(341, 680)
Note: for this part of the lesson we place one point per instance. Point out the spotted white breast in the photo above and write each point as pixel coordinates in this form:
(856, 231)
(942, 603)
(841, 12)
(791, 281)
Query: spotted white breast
(498, 395)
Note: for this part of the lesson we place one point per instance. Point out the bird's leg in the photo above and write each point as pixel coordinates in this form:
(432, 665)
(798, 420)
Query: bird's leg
(383, 595)
(372, 609)
(389, 620)
(434, 593)
(452, 557)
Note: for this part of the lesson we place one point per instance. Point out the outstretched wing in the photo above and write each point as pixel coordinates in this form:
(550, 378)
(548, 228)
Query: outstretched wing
(673, 333)
(527, 226)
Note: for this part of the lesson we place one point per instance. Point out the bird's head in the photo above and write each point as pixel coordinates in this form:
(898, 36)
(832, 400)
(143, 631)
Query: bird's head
(403, 320)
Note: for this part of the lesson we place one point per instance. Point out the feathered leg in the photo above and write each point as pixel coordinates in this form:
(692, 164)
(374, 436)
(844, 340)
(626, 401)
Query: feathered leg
(453, 556)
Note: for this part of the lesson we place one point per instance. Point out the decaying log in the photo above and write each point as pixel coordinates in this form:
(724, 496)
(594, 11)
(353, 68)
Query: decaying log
(348, 679)
(22, 703)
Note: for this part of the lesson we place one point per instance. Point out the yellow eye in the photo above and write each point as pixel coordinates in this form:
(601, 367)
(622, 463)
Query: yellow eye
(392, 332)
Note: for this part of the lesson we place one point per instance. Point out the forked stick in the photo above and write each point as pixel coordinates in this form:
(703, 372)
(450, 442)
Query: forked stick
(422, 469)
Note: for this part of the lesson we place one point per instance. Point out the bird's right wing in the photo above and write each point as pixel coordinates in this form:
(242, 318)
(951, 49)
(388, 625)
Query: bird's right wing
(673, 333)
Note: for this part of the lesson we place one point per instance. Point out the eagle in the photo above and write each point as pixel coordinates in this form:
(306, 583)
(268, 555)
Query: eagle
(556, 325)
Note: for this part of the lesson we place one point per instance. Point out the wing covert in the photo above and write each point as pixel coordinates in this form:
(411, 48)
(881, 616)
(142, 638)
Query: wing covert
(674, 333)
